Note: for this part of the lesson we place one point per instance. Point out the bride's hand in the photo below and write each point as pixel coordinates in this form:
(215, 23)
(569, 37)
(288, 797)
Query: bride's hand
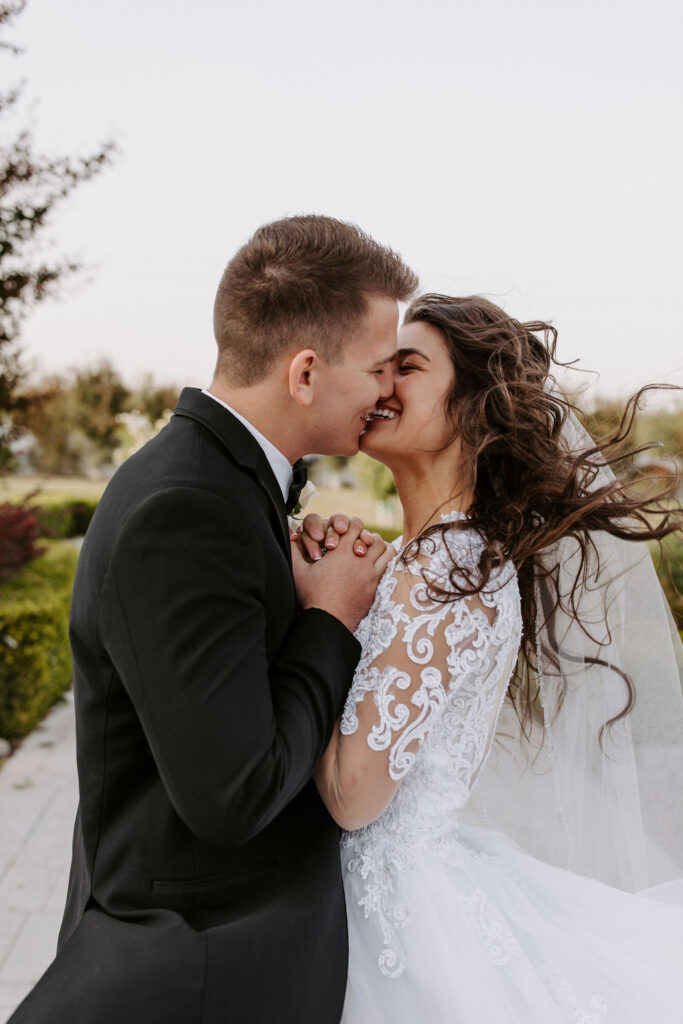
(317, 534)
(341, 584)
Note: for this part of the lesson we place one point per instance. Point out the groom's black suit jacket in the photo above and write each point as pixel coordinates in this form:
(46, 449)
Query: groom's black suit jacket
(205, 884)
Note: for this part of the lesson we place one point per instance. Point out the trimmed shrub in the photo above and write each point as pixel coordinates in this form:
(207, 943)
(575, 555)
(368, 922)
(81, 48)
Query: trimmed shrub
(81, 513)
(64, 519)
(35, 658)
(20, 531)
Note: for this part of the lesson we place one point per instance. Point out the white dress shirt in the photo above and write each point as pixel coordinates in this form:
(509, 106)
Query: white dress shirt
(278, 462)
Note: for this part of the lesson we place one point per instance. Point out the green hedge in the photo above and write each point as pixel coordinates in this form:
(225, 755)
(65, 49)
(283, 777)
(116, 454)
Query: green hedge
(387, 533)
(63, 519)
(35, 658)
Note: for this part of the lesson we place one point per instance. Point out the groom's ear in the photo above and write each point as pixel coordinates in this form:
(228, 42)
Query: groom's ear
(303, 372)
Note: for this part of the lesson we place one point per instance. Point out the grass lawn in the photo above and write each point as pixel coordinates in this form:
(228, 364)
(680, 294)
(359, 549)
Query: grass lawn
(355, 502)
(51, 489)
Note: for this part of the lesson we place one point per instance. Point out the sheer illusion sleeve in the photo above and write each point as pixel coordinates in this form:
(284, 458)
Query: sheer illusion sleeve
(431, 672)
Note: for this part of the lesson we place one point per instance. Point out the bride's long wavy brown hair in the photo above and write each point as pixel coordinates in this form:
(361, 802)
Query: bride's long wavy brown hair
(529, 489)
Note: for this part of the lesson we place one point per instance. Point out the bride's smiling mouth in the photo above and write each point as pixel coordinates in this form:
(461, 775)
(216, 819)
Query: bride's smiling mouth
(385, 413)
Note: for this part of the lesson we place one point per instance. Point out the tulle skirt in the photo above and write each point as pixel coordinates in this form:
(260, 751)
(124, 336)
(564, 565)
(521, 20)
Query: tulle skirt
(489, 935)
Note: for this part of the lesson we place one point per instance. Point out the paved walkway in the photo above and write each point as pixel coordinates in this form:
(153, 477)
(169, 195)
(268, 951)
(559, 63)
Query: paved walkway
(38, 797)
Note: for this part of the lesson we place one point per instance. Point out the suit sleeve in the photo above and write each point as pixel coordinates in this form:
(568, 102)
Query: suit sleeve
(182, 617)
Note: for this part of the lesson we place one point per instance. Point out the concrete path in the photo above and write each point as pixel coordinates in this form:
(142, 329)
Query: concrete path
(38, 798)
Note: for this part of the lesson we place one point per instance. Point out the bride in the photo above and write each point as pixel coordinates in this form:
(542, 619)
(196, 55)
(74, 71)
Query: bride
(505, 769)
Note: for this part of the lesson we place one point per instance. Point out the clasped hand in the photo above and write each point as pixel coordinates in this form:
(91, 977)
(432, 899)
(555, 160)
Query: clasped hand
(343, 585)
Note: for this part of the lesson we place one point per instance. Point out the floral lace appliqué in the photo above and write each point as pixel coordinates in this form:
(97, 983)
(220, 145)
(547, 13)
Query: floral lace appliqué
(594, 1013)
(437, 673)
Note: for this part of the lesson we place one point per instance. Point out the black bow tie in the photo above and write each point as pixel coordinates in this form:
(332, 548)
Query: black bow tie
(298, 480)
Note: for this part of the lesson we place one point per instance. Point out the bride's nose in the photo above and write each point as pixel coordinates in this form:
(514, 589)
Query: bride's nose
(386, 382)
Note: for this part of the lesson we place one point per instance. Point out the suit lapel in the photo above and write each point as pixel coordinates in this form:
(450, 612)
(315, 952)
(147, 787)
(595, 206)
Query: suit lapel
(243, 447)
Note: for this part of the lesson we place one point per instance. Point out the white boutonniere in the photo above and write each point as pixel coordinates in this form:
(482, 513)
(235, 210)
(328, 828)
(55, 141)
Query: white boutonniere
(307, 492)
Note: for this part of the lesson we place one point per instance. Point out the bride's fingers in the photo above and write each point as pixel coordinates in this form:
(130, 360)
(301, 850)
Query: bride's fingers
(314, 526)
(361, 544)
(365, 541)
(339, 523)
(353, 536)
(337, 526)
(310, 546)
(382, 554)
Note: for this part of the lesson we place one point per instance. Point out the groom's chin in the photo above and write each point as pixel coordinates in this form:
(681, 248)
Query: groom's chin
(345, 450)
(351, 446)
(349, 450)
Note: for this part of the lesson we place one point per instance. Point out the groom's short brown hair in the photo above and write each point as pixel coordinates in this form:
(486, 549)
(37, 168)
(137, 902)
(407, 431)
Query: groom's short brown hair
(301, 282)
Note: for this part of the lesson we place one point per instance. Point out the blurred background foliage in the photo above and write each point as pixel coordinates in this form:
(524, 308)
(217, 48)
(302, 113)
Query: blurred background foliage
(87, 421)
(33, 186)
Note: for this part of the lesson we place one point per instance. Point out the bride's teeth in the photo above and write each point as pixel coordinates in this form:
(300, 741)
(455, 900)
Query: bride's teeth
(380, 414)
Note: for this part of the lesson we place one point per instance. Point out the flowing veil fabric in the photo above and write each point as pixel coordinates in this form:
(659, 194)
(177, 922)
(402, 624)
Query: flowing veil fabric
(603, 800)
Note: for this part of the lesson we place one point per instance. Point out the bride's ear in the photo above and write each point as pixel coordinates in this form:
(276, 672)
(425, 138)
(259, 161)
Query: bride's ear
(303, 372)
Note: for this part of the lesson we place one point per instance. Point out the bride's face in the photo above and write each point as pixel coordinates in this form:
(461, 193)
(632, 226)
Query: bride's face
(415, 422)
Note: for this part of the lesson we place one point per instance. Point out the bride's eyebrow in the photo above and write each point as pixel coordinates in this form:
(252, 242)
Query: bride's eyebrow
(402, 352)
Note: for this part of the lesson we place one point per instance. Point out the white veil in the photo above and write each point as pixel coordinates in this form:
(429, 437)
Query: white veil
(601, 800)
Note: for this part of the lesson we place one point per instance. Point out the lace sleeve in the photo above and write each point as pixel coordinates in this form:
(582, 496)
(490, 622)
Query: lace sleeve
(427, 666)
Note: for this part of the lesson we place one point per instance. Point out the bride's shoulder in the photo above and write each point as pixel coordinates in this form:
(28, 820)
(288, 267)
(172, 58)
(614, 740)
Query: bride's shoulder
(454, 541)
(452, 553)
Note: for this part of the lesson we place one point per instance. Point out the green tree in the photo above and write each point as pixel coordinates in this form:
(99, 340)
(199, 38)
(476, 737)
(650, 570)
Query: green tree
(74, 419)
(32, 187)
(99, 396)
(48, 416)
(153, 400)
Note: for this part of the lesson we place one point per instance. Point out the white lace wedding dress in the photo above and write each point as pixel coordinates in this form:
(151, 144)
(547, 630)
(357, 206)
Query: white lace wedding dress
(452, 923)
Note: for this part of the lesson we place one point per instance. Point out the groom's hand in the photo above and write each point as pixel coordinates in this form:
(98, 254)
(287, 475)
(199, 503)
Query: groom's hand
(318, 535)
(342, 584)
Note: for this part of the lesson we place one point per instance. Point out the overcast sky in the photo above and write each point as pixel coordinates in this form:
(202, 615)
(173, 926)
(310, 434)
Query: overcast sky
(530, 151)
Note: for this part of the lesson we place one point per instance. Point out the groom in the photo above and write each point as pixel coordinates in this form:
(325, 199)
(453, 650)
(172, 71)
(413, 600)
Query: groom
(205, 885)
